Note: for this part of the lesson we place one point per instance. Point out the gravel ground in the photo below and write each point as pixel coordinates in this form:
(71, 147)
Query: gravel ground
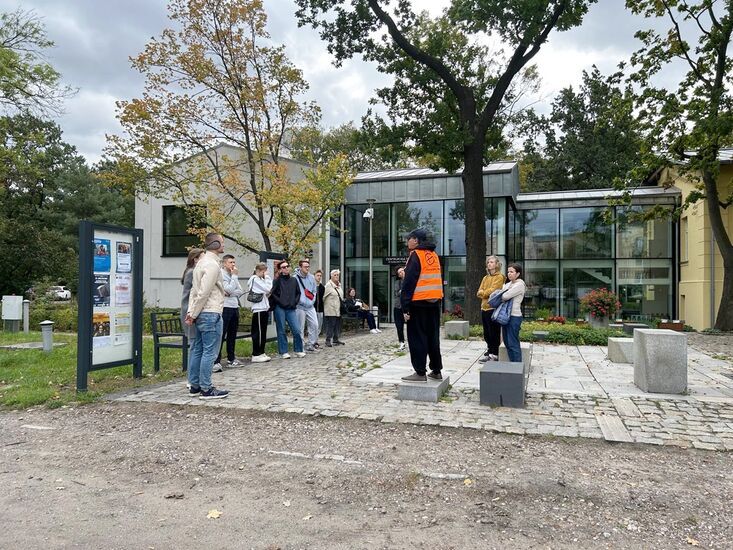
(132, 475)
(712, 344)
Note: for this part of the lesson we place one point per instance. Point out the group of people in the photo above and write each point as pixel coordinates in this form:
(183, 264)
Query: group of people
(301, 301)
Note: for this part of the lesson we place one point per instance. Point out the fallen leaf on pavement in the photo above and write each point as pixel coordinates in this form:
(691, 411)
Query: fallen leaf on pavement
(286, 503)
(693, 542)
(467, 482)
(306, 518)
(213, 514)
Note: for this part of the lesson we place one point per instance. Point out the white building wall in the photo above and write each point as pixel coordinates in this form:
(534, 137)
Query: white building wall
(162, 275)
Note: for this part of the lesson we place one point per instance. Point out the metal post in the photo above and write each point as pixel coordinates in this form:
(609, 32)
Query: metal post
(47, 333)
(26, 316)
(371, 254)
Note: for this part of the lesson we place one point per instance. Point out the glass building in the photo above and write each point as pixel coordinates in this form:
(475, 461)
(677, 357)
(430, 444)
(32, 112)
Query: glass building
(561, 238)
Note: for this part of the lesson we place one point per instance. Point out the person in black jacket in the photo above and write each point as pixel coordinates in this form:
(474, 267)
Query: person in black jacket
(355, 305)
(422, 292)
(320, 289)
(286, 295)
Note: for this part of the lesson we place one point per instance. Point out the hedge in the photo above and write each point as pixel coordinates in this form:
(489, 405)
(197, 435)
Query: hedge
(562, 334)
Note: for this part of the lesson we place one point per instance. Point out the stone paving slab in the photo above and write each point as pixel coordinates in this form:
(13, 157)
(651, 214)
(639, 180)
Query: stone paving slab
(569, 388)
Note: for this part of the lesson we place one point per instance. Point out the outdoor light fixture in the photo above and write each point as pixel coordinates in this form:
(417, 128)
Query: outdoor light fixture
(369, 215)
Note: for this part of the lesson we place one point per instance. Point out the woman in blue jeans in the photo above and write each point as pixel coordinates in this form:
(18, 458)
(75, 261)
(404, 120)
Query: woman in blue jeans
(514, 289)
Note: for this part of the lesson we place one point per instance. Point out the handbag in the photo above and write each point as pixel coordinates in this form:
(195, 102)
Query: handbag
(495, 299)
(254, 297)
(308, 293)
(503, 313)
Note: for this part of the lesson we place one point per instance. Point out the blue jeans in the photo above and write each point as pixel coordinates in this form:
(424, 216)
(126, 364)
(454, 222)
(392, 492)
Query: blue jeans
(204, 349)
(289, 315)
(511, 339)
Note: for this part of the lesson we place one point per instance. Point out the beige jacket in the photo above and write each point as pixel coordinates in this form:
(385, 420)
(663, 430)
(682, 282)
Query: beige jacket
(207, 292)
(332, 296)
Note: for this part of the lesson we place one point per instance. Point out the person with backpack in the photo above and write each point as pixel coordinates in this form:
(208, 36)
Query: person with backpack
(230, 315)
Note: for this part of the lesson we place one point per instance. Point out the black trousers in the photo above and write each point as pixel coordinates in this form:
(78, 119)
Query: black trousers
(423, 336)
(399, 322)
(259, 332)
(332, 325)
(230, 318)
(492, 332)
(369, 316)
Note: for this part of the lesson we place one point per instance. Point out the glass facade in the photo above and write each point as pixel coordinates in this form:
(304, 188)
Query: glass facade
(566, 252)
(571, 251)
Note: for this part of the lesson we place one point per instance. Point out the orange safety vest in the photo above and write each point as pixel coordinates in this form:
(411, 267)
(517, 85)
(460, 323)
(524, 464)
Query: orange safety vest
(430, 284)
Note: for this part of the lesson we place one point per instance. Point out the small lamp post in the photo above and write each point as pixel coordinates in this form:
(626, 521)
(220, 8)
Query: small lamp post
(47, 333)
(370, 215)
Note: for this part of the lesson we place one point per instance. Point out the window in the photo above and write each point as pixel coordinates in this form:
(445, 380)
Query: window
(584, 233)
(579, 278)
(643, 239)
(176, 222)
(543, 287)
(455, 228)
(684, 240)
(411, 215)
(645, 288)
(540, 234)
(357, 228)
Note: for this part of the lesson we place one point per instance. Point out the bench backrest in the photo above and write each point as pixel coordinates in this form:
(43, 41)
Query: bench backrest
(166, 326)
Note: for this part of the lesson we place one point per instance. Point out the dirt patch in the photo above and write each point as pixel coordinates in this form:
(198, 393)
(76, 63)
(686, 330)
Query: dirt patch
(128, 475)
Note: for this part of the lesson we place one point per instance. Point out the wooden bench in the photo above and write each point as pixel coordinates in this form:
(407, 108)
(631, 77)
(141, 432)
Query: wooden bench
(168, 333)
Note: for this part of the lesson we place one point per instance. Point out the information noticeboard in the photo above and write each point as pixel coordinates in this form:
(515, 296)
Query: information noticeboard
(110, 299)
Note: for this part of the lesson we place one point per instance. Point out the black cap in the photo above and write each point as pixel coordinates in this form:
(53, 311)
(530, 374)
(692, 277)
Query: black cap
(420, 234)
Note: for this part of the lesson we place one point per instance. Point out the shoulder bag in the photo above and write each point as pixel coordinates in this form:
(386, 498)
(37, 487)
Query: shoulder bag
(252, 296)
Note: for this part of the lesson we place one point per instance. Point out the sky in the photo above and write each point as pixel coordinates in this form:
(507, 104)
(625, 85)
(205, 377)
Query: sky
(95, 38)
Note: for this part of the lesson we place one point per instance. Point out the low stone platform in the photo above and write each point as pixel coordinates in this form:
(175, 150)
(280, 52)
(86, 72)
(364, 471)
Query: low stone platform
(572, 391)
(526, 354)
(502, 384)
(621, 350)
(430, 391)
(458, 329)
(660, 360)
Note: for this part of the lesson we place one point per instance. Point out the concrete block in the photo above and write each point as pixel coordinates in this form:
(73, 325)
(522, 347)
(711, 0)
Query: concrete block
(621, 350)
(502, 384)
(456, 328)
(616, 326)
(526, 354)
(629, 327)
(540, 335)
(660, 360)
(430, 391)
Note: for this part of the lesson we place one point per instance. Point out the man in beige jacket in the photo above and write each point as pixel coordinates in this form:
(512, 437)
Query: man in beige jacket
(205, 306)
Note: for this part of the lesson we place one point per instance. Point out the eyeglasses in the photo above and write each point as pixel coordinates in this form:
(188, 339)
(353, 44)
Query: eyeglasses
(284, 266)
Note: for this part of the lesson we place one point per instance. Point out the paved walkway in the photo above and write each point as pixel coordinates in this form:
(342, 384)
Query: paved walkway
(573, 391)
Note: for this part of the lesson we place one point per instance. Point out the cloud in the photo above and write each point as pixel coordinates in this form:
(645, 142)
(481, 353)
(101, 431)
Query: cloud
(95, 38)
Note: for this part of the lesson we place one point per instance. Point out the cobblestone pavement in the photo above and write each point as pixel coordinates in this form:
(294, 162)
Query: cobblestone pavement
(359, 381)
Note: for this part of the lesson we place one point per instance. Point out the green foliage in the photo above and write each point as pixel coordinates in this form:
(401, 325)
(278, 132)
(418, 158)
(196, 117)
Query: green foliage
(562, 334)
(692, 121)
(542, 313)
(27, 81)
(46, 189)
(590, 138)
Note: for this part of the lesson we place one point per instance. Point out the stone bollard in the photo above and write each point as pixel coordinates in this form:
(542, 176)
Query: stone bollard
(26, 316)
(47, 332)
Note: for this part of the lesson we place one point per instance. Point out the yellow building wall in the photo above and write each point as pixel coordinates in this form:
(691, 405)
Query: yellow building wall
(696, 306)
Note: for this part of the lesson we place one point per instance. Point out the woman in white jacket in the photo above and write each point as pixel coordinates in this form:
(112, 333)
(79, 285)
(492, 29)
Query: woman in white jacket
(515, 290)
(259, 283)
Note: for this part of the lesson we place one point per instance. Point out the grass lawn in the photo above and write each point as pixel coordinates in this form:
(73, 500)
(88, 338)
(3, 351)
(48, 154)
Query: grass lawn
(32, 377)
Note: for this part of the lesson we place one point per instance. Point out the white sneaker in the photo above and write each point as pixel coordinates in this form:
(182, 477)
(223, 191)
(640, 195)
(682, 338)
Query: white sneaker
(285, 356)
(267, 357)
(374, 331)
(217, 367)
(300, 354)
(260, 359)
(378, 331)
(401, 347)
(234, 364)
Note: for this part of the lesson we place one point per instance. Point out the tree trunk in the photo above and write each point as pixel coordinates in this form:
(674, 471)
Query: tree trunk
(473, 193)
(724, 319)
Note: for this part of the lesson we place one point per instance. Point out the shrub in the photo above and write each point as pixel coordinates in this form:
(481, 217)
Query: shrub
(557, 319)
(600, 302)
(542, 313)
